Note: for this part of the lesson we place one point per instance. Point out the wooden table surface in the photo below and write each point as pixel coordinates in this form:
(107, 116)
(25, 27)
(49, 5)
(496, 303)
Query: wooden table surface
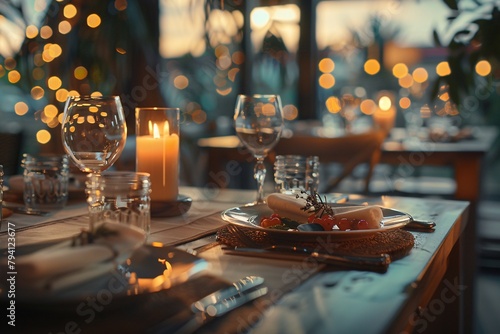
(425, 290)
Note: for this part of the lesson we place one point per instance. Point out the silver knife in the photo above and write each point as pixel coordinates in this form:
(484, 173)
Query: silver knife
(373, 263)
(236, 288)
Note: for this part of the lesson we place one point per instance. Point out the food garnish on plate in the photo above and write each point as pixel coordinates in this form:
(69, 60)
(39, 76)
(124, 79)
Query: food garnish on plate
(309, 212)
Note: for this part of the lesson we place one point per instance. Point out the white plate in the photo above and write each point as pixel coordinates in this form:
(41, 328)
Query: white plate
(249, 217)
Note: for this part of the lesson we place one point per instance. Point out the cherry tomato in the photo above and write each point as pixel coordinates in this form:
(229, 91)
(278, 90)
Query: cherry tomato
(328, 222)
(362, 225)
(344, 224)
(354, 224)
(272, 220)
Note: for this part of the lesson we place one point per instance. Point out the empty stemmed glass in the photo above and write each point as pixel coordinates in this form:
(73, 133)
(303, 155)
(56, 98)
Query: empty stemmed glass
(94, 131)
(258, 122)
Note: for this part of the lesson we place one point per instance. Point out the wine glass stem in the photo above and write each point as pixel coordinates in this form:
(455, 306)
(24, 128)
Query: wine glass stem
(259, 173)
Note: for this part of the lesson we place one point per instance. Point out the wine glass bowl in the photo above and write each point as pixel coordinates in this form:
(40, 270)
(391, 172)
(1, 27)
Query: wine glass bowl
(258, 121)
(94, 131)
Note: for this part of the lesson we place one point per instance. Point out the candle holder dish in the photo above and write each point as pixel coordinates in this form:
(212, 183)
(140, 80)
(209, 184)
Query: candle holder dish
(171, 208)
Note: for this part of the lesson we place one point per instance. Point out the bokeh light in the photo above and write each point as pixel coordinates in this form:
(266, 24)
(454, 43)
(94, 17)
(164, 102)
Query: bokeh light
(400, 70)
(93, 20)
(483, 68)
(372, 66)
(181, 82)
(326, 81)
(64, 27)
(326, 65)
(69, 11)
(80, 72)
(333, 104)
(43, 136)
(54, 83)
(443, 69)
(420, 75)
(21, 108)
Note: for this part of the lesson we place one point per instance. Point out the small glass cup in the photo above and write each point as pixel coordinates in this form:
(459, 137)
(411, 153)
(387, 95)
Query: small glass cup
(46, 179)
(120, 197)
(296, 173)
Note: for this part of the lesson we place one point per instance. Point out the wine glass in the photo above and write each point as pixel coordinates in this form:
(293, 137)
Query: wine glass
(93, 131)
(258, 122)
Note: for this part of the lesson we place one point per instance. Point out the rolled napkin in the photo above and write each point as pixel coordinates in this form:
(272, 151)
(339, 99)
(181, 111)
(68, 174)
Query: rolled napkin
(291, 207)
(66, 264)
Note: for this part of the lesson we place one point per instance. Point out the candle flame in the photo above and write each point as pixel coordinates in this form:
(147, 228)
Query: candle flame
(385, 103)
(156, 131)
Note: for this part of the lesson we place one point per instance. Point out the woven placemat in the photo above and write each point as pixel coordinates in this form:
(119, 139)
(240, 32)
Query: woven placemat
(397, 243)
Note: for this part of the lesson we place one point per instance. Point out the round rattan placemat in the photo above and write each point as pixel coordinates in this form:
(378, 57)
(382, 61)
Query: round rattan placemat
(397, 243)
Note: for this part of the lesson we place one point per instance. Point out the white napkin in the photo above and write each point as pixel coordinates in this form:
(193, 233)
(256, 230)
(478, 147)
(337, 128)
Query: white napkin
(63, 265)
(291, 207)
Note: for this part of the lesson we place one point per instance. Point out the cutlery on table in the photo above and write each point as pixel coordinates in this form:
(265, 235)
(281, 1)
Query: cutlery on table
(378, 263)
(214, 305)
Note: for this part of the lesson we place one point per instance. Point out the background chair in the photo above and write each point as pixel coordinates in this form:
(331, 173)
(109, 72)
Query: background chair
(348, 152)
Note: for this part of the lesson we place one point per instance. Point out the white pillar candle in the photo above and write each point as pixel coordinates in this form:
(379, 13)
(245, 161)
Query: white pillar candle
(158, 155)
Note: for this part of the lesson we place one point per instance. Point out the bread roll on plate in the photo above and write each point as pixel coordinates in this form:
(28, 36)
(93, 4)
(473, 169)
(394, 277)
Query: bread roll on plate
(290, 206)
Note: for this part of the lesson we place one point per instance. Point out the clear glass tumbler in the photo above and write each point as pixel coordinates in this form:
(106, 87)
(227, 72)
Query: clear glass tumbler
(46, 179)
(120, 197)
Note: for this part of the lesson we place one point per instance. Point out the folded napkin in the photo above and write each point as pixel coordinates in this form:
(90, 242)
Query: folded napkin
(71, 262)
(291, 207)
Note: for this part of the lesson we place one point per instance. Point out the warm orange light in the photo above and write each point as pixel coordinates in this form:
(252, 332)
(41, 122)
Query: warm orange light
(21, 108)
(290, 112)
(483, 68)
(93, 20)
(43, 136)
(69, 11)
(54, 83)
(50, 111)
(55, 50)
(406, 81)
(64, 27)
(238, 57)
(80, 72)
(14, 76)
(372, 66)
(326, 65)
(404, 102)
(384, 103)
(31, 31)
(420, 75)
(37, 92)
(10, 63)
(326, 81)
(61, 95)
(181, 82)
(400, 70)
(45, 32)
(368, 107)
(333, 104)
(443, 69)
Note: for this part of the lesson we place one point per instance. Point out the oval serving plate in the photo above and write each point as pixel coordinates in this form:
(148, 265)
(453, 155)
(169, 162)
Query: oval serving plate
(249, 217)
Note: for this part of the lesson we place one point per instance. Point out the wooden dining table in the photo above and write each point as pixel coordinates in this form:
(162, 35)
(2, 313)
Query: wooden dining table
(426, 290)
